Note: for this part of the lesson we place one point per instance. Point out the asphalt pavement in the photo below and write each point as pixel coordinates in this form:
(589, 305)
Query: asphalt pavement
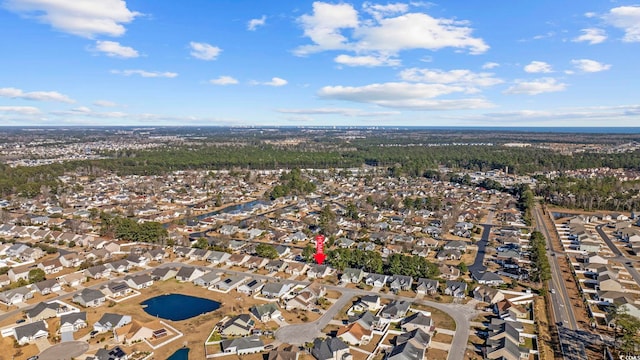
(632, 270)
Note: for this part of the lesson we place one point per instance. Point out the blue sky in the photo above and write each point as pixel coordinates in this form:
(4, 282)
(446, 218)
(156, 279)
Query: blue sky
(303, 63)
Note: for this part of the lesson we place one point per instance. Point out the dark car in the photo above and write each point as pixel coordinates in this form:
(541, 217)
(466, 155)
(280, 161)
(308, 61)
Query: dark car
(93, 333)
(20, 321)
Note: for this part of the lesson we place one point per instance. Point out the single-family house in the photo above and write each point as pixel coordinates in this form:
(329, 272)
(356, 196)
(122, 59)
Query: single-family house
(98, 272)
(395, 310)
(417, 321)
(117, 353)
(317, 271)
(487, 278)
(188, 273)
(208, 279)
(266, 312)
(351, 275)
(51, 266)
(242, 346)
(487, 294)
(400, 282)
(45, 287)
(138, 282)
(250, 288)
(110, 321)
(376, 280)
(218, 257)
(330, 349)
(163, 274)
(19, 272)
(457, 289)
(354, 334)
(275, 290)
(89, 298)
(27, 333)
(240, 325)
(15, 296)
(230, 283)
(116, 289)
(72, 322)
(427, 286)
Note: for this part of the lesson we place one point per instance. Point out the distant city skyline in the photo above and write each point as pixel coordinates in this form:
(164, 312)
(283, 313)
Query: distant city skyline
(303, 63)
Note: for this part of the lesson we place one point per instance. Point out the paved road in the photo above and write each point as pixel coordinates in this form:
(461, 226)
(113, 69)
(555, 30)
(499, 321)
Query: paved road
(65, 351)
(628, 263)
(571, 347)
(478, 264)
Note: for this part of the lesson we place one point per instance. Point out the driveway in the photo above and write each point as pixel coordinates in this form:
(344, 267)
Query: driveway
(65, 351)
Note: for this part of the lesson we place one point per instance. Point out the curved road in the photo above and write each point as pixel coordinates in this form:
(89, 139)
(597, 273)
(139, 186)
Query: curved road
(65, 351)
(300, 334)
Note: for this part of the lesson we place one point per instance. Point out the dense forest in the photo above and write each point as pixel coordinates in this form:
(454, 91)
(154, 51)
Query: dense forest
(401, 160)
(607, 193)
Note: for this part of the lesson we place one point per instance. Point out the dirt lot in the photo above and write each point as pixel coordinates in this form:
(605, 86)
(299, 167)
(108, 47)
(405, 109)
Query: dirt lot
(546, 342)
(20, 353)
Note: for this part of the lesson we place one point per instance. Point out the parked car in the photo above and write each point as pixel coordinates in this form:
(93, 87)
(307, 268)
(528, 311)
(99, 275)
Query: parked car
(20, 321)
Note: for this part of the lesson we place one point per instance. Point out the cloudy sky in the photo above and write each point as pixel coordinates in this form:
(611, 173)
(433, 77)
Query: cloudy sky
(302, 63)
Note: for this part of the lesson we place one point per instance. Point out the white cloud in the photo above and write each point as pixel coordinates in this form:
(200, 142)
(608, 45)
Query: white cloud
(275, 81)
(460, 77)
(586, 65)
(104, 103)
(14, 93)
(538, 67)
(490, 65)
(590, 14)
(366, 60)
(380, 11)
(114, 49)
(536, 87)
(417, 31)
(224, 80)
(21, 110)
(626, 18)
(86, 18)
(403, 95)
(338, 111)
(592, 36)
(324, 26)
(253, 24)
(145, 74)
(204, 51)
(385, 34)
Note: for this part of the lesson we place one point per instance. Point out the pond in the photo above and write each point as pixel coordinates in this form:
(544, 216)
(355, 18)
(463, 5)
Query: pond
(178, 307)
(182, 354)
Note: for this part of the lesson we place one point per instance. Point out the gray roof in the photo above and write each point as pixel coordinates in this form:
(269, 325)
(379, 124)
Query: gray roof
(36, 310)
(73, 317)
(273, 288)
(324, 349)
(185, 271)
(110, 319)
(264, 309)
(420, 336)
(418, 319)
(406, 351)
(28, 330)
(242, 343)
(88, 295)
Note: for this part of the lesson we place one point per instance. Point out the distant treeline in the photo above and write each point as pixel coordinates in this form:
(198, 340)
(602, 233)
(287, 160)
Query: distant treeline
(400, 160)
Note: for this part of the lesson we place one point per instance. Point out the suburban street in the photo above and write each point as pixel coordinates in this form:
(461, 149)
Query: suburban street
(627, 263)
(572, 348)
